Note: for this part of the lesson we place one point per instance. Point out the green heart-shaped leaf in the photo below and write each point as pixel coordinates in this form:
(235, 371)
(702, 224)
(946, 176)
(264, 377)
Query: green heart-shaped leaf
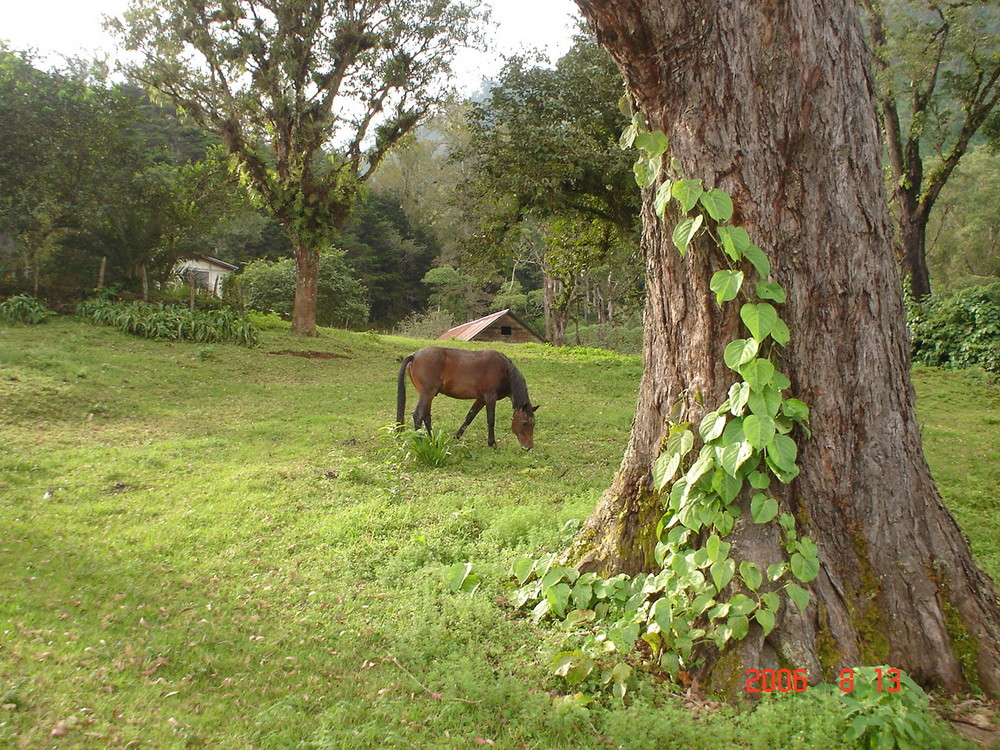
(687, 192)
(718, 204)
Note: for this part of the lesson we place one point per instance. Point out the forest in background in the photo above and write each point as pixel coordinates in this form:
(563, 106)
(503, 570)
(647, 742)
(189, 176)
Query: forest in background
(518, 198)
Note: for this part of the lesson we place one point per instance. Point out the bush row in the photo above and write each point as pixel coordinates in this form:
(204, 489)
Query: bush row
(958, 331)
(157, 321)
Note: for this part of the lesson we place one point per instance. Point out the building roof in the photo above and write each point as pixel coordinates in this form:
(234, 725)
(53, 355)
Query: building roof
(469, 331)
(214, 261)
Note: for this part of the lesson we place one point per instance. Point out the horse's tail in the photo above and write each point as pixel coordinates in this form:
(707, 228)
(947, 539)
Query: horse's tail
(401, 390)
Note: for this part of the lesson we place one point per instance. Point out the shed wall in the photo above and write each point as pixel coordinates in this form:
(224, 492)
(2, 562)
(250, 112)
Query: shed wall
(497, 332)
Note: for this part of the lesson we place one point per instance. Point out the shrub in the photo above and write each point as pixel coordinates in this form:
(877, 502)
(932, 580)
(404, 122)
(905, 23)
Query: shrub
(269, 287)
(267, 321)
(811, 720)
(341, 299)
(171, 323)
(180, 294)
(23, 310)
(958, 331)
(428, 325)
(420, 446)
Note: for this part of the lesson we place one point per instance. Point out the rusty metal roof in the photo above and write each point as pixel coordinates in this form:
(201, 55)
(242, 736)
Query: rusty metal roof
(469, 331)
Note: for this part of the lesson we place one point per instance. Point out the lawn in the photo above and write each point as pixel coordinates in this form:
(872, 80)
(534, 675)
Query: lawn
(219, 547)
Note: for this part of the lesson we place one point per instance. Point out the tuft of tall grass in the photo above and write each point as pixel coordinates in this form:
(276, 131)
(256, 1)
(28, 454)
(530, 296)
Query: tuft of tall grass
(435, 448)
(23, 309)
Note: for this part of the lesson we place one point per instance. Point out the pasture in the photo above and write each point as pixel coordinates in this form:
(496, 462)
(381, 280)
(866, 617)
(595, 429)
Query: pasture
(219, 547)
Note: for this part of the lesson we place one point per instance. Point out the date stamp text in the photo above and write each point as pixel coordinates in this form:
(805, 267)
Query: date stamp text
(797, 681)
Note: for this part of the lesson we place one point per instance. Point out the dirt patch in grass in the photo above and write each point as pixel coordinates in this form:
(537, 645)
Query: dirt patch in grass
(311, 354)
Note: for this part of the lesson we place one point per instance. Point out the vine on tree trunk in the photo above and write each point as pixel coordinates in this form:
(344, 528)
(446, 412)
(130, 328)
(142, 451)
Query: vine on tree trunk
(700, 595)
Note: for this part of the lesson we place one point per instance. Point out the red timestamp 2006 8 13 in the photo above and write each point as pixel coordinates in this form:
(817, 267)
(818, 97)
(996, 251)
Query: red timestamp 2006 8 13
(797, 681)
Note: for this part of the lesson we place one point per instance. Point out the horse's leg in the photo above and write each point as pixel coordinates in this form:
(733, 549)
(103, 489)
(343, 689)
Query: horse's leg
(491, 410)
(476, 408)
(422, 414)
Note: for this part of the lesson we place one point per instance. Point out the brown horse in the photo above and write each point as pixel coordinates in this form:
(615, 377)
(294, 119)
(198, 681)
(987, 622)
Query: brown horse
(486, 376)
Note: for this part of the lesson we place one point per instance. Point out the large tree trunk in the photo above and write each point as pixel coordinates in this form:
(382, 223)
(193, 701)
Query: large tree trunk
(306, 290)
(772, 102)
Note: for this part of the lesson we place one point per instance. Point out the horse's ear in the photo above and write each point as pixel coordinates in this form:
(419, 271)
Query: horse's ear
(534, 408)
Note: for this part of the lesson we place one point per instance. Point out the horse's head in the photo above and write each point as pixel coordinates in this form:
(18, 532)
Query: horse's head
(523, 425)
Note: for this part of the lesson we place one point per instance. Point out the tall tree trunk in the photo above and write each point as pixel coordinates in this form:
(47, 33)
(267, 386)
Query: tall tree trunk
(547, 305)
(555, 323)
(101, 271)
(306, 290)
(772, 102)
(913, 253)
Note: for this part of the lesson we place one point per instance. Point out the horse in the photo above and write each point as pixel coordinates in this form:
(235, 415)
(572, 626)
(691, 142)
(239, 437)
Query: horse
(486, 376)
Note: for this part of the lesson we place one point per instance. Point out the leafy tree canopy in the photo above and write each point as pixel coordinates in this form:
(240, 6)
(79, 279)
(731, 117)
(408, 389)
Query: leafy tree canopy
(547, 181)
(545, 142)
(964, 230)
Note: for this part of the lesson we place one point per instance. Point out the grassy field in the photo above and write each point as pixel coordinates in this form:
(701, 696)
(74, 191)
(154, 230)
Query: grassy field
(210, 546)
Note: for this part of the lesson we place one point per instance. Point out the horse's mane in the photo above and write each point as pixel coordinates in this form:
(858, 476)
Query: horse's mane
(518, 388)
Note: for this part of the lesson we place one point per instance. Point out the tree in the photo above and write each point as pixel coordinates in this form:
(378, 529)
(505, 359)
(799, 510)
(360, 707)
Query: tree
(544, 157)
(64, 149)
(248, 235)
(282, 83)
(798, 149)
(94, 176)
(545, 141)
(165, 214)
(938, 83)
(426, 171)
(455, 292)
(576, 256)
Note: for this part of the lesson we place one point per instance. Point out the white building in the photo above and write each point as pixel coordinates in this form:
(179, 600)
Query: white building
(207, 272)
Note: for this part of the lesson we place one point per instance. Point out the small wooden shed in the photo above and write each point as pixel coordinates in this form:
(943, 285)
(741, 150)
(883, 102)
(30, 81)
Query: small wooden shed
(498, 326)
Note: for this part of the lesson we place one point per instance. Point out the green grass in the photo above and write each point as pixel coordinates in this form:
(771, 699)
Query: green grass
(217, 547)
(960, 416)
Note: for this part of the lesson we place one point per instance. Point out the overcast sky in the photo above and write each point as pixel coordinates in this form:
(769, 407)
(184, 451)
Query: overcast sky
(72, 28)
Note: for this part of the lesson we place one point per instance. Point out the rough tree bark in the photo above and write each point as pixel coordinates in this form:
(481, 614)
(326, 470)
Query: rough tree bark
(772, 102)
(306, 290)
